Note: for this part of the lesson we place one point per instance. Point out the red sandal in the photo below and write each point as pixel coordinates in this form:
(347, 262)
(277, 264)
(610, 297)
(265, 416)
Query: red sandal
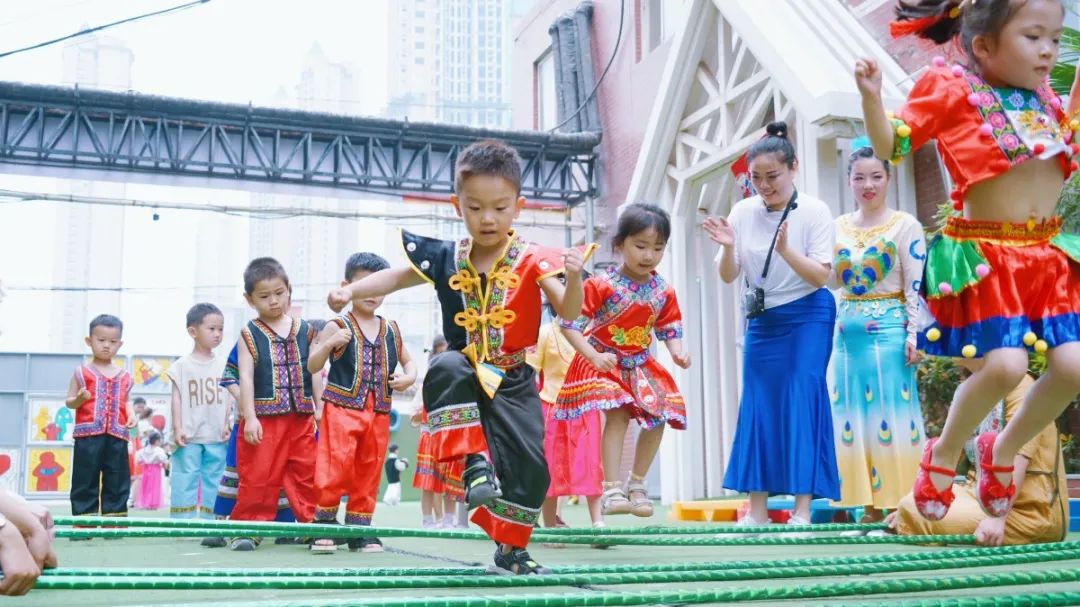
(995, 498)
(932, 504)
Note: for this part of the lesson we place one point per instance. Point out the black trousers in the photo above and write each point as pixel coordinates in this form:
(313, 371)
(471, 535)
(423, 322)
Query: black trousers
(464, 420)
(100, 478)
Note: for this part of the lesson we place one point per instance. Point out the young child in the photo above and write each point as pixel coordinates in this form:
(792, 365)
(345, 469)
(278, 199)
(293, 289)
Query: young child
(428, 478)
(135, 444)
(200, 416)
(154, 460)
(277, 403)
(394, 467)
(613, 370)
(480, 394)
(571, 438)
(364, 352)
(230, 479)
(1003, 278)
(100, 477)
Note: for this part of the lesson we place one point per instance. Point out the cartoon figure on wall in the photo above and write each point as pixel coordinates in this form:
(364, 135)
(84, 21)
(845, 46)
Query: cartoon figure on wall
(149, 373)
(9, 470)
(50, 421)
(48, 470)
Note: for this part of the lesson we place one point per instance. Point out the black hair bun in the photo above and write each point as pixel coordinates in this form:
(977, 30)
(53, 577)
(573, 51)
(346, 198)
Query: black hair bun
(777, 129)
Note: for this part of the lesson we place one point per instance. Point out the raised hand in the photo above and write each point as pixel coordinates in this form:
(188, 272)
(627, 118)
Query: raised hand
(573, 261)
(84, 395)
(868, 77)
(720, 231)
(338, 299)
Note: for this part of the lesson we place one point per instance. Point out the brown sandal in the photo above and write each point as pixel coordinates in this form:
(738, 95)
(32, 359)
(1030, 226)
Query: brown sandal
(613, 500)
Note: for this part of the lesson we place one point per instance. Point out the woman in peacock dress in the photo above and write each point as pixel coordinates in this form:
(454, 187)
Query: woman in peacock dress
(877, 422)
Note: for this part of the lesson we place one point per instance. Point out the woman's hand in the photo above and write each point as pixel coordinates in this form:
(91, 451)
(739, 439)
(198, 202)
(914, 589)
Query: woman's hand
(719, 231)
(868, 78)
(781, 239)
(911, 353)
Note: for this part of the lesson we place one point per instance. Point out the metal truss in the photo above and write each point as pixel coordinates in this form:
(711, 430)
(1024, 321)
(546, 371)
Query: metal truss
(73, 127)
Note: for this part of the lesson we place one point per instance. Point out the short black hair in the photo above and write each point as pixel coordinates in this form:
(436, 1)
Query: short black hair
(106, 320)
(200, 311)
(263, 268)
(638, 217)
(138, 400)
(863, 153)
(488, 157)
(153, 438)
(776, 141)
(367, 262)
(393, 448)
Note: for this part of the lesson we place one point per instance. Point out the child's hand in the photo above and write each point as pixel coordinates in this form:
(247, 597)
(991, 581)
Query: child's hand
(415, 420)
(253, 432)
(227, 433)
(340, 338)
(868, 78)
(401, 382)
(719, 231)
(338, 299)
(604, 361)
(573, 261)
(131, 421)
(181, 438)
(681, 358)
(84, 395)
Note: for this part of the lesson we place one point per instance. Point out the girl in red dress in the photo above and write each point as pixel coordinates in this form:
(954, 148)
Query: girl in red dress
(613, 370)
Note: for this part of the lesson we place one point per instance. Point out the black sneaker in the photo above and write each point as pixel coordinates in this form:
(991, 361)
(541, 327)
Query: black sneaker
(365, 544)
(243, 544)
(481, 485)
(517, 562)
(214, 542)
(290, 541)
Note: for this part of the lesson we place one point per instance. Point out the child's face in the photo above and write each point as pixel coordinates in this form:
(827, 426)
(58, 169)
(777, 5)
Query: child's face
(270, 298)
(208, 333)
(642, 252)
(1026, 49)
(489, 204)
(368, 305)
(104, 342)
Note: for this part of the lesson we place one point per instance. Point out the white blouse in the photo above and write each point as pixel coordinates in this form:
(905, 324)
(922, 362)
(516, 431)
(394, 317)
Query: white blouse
(810, 231)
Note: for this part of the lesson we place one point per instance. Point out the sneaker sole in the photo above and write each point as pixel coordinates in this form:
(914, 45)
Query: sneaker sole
(482, 496)
(371, 550)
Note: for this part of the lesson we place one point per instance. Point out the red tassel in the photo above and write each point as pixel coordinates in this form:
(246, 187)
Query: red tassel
(899, 29)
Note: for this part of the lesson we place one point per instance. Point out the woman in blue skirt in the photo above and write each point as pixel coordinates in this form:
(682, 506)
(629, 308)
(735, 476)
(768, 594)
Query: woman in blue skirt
(779, 244)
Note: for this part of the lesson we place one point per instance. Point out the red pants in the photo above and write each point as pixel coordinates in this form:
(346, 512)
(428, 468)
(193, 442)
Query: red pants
(284, 459)
(349, 461)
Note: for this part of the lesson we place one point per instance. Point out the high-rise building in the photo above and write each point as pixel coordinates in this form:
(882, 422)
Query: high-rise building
(88, 240)
(450, 61)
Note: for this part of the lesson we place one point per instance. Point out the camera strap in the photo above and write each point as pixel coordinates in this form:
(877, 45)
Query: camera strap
(768, 257)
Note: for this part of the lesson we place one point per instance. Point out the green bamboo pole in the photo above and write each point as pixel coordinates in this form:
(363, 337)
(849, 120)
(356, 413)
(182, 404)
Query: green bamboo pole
(1049, 599)
(945, 554)
(305, 529)
(722, 595)
(353, 531)
(473, 581)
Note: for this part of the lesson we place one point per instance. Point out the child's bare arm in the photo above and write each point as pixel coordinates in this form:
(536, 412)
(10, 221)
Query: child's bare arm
(329, 339)
(402, 382)
(76, 395)
(383, 282)
(246, 367)
(178, 424)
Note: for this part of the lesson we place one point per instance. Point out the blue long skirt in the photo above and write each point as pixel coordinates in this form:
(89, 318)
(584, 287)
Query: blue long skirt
(784, 437)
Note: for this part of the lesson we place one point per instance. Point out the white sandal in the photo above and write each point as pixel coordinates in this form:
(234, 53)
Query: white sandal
(640, 505)
(613, 500)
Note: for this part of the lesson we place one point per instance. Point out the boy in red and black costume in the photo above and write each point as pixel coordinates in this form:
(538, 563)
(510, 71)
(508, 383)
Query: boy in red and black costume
(100, 477)
(480, 395)
(364, 351)
(277, 403)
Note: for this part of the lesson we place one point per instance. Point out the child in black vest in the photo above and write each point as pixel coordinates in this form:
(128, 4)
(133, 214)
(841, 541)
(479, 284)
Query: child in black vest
(364, 351)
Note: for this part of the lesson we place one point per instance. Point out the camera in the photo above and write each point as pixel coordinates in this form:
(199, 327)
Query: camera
(754, 302)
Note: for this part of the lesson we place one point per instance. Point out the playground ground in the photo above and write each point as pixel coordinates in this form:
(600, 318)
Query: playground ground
(426, 552)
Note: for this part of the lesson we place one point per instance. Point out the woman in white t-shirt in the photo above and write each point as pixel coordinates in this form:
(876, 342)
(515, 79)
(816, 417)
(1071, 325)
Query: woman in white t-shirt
(784, 437)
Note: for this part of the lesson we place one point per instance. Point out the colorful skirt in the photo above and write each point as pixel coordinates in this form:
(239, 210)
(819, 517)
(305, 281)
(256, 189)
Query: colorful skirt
(639, 384)
(149, 497)
(572, 449)
(427, 476)
(877, 423)
(784, 435)
(1001, 285)
(451, 473)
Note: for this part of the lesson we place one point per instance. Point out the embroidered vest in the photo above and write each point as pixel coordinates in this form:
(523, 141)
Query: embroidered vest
(106, 411)
(282, 382)
(363, 366)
